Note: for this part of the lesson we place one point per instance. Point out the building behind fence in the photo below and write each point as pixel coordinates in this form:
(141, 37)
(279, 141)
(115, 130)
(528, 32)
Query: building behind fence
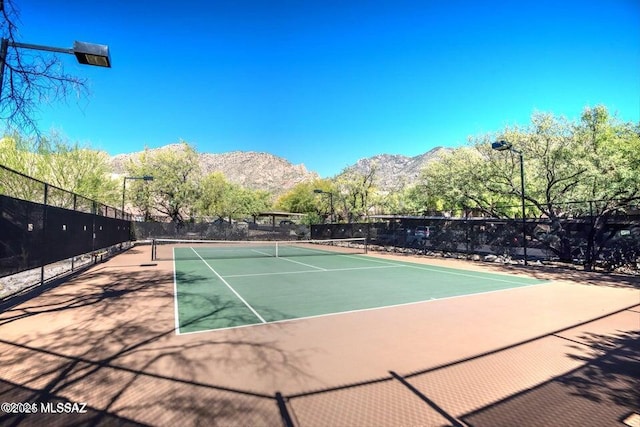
(47, 228)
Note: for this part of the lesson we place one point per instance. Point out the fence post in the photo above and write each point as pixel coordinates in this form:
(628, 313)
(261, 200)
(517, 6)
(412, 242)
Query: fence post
(592, 235)
(466, 231)
(94, 211)
(44, 232)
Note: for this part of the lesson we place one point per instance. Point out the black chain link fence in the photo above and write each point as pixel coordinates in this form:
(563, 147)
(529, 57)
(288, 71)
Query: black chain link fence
(47, 231)
(611, 240)
(218, 230)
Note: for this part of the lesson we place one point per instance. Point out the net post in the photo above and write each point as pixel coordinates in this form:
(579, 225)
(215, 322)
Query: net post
(277, 247)
(153, 249)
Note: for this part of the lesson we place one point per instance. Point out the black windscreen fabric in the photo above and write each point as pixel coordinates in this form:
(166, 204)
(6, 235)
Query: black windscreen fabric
(110, 231)
(67, 234)
(21, 235)
(33, 235)
(41, 224)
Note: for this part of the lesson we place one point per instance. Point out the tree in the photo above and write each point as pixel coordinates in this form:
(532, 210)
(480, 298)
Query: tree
(302, 199)
(31, 77)
(174, 189)
(595, 158)
(252, 202)
(16, 153)
(223, 199)
(416, 199)
(81, 170)
(457, 180)
(355, 189)
(612, 160)
(56, 161)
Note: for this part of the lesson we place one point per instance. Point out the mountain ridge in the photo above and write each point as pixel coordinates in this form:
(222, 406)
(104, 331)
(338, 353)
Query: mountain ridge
(266, 171)
(394, 171)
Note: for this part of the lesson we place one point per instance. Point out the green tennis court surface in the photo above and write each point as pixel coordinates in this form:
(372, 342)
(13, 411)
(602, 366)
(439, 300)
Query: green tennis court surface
(216, 288)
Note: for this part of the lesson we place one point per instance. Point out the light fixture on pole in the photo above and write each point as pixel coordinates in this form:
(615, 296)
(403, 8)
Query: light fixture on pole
(507, 146)
(124, 186)
(86, 53)
(318, 191)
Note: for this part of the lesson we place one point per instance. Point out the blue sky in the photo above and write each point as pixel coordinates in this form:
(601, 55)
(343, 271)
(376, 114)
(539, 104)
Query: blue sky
(328, 82)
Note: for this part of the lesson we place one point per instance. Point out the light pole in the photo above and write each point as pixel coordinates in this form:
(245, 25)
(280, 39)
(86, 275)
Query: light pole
(86, 53)
(124, 186)
(318, 191)
(507, 146)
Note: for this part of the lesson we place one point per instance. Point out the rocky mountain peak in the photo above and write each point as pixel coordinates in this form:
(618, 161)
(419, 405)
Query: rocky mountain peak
(395, 170)
(249, 169)
(265, 171)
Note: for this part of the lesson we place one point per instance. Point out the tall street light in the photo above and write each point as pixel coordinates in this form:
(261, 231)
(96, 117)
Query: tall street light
(507, 146)
(124, 186)
(318, 191)
(86, 53)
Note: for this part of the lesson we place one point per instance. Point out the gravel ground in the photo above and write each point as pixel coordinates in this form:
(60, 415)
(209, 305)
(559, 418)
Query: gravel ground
(15, 283)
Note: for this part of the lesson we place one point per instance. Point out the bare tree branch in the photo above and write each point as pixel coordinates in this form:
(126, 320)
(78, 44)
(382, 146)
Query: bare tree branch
(31, 78)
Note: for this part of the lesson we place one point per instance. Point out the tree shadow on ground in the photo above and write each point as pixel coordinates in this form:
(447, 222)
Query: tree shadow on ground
(603, 391)
(556, 271)
(570, 274)
(108, 338)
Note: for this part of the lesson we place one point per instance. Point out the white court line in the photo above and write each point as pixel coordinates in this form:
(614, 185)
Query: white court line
(229, 286)
(175, 293)
(287, 259)
(445, 270)
(263, 253)
(313, 271)
(366, 309)
(302, 263)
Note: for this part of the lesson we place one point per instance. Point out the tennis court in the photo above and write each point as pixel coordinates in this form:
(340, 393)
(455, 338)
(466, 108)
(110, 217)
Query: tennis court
(498, 345)
(234, 284)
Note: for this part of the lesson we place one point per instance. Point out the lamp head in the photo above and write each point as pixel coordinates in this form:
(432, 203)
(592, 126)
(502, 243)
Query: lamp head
(501, 145)
(92, 54)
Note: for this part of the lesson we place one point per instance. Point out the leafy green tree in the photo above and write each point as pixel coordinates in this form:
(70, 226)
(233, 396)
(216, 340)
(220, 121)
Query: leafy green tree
(251, 202)
(416, 199)
(420, 199)
(593, 159)
(356, 192)
(175, 186)
(16, 153)
(77, 169)
(56, 161)
(225, 200)
(611, 160)
(302, 199)
(451, 184)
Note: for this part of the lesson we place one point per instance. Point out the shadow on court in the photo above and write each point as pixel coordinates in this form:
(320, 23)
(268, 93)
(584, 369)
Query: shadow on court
(106, 340)
(558, 271)
(603, 390)
(570, 274)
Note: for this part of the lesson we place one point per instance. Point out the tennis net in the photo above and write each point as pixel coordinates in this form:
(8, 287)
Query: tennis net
(169, 249)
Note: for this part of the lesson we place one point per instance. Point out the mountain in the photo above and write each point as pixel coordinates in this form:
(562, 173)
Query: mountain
(394, 171)
(265, 171)
(257, 170)
(250, 169)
